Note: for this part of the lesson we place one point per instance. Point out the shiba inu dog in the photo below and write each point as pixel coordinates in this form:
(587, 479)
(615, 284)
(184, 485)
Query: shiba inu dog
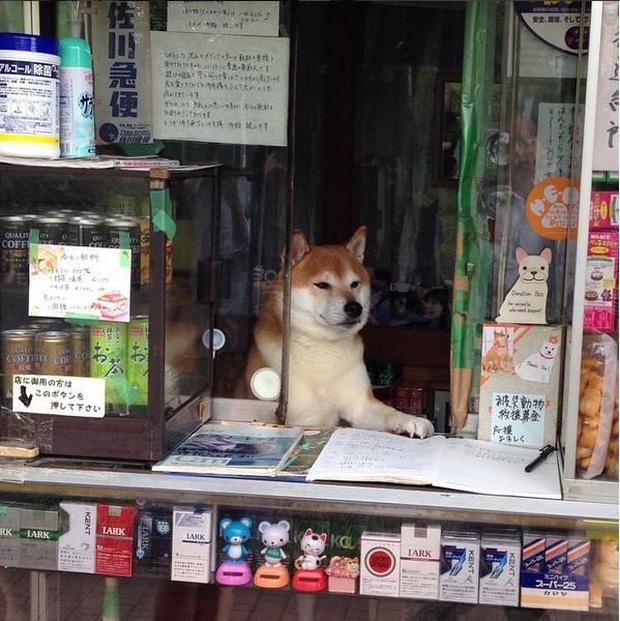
(328, 381)
(498, 358)
(526, 302)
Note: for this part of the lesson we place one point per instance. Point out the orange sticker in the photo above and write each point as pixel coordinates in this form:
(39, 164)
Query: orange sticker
(552, 208)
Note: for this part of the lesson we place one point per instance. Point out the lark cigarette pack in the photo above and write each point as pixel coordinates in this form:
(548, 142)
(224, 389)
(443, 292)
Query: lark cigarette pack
(115, 527)
(419, 560)
(153, 540)
(9, 535)
(459, 566)
(38, 535)
(380, 564)
(193, 539)
(76, 544)
(500, 564)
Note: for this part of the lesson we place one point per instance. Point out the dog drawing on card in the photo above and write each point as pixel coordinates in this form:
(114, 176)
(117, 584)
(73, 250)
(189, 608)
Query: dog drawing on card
(328, 382)
(539, 366)
(498, 358)
(526, 302)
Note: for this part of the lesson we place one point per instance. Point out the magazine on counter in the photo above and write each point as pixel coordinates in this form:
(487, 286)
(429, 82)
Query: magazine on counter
(233, 450)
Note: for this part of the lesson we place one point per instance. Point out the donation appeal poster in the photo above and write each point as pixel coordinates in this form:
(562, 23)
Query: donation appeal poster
(220, 88)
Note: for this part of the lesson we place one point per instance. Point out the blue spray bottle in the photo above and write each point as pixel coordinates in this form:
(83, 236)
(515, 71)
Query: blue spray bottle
(77, 117)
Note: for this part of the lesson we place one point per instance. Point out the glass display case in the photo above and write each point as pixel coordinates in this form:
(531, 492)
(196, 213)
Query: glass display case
(108, 285)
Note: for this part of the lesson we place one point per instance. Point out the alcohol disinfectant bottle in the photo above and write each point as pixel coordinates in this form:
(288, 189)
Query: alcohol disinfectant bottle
(77, 117)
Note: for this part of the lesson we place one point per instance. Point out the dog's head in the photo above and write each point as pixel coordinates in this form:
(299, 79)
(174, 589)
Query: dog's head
(533, 268)
(330, 295)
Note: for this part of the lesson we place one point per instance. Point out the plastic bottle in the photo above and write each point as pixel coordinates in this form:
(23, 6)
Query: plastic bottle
(77, 118)
(29, 95)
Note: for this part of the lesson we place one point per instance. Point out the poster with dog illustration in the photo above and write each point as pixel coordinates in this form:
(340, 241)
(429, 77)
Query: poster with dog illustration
(526, 302)
(519, 384)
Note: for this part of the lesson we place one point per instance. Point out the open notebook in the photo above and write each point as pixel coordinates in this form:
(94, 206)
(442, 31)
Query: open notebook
(453, 463)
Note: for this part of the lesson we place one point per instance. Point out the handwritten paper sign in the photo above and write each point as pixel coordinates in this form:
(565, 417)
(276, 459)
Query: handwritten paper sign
(554, 144)
(605, 156)
(220, 88)
(518, 419)
(122, 71)
(79, 282)
(60, 395)
(242, 18)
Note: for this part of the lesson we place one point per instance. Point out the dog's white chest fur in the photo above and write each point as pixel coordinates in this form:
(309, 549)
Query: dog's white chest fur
(324, 377)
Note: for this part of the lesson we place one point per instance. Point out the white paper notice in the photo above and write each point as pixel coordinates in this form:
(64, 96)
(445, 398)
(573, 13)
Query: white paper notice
(243, 18)
(606, 138)
(518, 419)
(62, 395)
(555, 136)
(78, 282)
(220, 88)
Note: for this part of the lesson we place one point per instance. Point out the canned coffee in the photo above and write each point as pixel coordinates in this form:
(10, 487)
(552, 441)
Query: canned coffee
(17, 354)
(131, 226)
(80, 350)
(52, 353)
(51, 229)
(91, 232)
(14, 236)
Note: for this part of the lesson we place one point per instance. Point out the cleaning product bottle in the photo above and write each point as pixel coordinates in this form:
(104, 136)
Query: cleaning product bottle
(77, 117)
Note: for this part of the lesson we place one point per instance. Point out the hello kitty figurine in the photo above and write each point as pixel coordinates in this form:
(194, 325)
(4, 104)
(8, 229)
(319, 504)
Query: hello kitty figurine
(272, 574)
(310, 576)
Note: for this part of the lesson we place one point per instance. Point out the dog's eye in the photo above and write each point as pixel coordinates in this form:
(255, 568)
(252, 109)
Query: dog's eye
(355, 284)
(322, 285)
(525, 268)
(542, 268)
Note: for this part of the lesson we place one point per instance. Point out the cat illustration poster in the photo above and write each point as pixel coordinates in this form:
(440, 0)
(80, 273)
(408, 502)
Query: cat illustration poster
(519, 384)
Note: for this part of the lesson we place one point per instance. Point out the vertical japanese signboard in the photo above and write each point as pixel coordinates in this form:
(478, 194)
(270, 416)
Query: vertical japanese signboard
(606, 130)
(121, 53)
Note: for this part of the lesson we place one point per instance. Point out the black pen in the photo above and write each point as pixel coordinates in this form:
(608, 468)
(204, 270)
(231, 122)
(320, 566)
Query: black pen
(545, 451)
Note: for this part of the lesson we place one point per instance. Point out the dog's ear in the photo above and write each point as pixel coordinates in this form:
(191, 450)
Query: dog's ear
(357, 244)
(520, 254)
(299, 247)
(546, 255)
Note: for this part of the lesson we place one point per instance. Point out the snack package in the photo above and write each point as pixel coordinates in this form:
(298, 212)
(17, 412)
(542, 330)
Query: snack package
(601, 281)
(603, 210)
(597, 395)
(611, 463)
(604, 580)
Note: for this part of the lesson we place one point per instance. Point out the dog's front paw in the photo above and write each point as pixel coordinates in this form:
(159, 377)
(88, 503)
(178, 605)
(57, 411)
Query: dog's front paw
(419, 427)
(412, 425)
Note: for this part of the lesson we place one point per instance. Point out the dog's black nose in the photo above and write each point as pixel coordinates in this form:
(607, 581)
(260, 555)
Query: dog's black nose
(353, 309)
(534, 272)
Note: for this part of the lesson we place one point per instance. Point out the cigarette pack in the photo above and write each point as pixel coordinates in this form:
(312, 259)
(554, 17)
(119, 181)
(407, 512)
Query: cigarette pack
(500, 562)
(9, 535)
(192, 544)
(460, 566)
(38, 533)
(114, 552)
(76, 544)
(379, 571)
(419, 560)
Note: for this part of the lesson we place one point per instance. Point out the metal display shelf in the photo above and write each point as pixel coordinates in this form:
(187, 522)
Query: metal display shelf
(362, 499)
